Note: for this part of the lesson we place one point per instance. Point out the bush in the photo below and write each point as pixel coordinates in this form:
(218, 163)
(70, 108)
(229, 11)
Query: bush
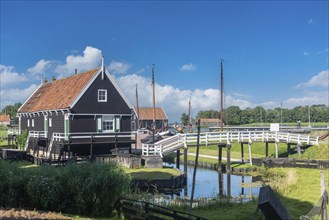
(21, 139)
(89, 189)
(44, 192)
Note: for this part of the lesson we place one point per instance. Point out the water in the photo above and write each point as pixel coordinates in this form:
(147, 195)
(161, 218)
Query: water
(213, 184)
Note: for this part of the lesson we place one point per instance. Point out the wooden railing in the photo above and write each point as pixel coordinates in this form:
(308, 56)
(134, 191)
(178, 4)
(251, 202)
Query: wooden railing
(34, 134)
(183, 140)
(134, 209)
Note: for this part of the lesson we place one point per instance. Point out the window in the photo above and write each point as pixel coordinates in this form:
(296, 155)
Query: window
(50, 122)
(32, 122)
(102, 95)
(108, 123)
(28, 122)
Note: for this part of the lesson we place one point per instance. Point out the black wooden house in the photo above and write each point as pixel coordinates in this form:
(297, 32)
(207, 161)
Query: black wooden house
(84, 114)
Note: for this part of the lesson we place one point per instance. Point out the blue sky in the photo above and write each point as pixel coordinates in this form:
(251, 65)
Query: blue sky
(273, 50)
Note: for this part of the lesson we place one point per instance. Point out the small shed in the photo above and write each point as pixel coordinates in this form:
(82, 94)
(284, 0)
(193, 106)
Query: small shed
(5, 120)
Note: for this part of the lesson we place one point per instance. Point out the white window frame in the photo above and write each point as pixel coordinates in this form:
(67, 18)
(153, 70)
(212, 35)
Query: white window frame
(28, 122)
(50, 122)
(106, 119)
(32, 122)
(99, 96)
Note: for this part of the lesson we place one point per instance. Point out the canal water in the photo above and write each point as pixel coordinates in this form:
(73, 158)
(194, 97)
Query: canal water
(213, 184)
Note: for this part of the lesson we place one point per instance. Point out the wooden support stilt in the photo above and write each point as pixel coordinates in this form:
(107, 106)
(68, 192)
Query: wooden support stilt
(298, 150)
(228, 184)
(228, 159)
(69, 147)
(266, 149)
(242, 153)
(276, 149)
(221, 183)
(91, 146)
(250, 156)
(177, 158)
(220, 154)
(288, 149)
(185, 161)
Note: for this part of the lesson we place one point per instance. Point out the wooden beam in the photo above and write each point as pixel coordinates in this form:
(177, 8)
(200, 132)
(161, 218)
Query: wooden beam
(242, 153)
(177, 158)
(228, 159)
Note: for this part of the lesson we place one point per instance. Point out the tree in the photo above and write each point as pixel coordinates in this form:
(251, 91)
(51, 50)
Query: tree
(184, 119)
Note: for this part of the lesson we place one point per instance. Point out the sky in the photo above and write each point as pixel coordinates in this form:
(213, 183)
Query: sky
(273, 51)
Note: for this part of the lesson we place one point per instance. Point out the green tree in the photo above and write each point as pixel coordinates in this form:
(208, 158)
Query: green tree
(232, 115)
(184, 119)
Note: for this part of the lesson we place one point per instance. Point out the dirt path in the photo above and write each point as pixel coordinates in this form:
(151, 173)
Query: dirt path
(28, 214)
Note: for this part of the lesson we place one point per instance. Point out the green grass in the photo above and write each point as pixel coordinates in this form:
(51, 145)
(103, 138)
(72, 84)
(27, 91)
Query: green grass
(257, 150)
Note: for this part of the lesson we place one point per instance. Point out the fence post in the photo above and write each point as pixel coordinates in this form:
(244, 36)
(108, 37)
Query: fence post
(322, 183)
(250, 157)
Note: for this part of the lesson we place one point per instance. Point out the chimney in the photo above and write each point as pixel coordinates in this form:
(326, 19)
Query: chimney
(53, 79)
(44, 81)
(76, 71)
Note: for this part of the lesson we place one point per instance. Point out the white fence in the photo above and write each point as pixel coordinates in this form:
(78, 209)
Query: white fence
(173, 143)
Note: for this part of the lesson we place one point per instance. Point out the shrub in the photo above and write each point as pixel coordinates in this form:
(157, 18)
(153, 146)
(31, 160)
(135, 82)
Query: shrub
(44, 192)
(90, 189)
(21, 139)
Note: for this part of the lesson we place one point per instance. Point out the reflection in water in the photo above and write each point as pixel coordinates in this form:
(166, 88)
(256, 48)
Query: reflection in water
(213, 184)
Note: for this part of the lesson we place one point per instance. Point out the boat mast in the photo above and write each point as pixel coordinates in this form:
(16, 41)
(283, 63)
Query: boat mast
(189, 116)
(221, 94)
(137, 106)
(153, 89)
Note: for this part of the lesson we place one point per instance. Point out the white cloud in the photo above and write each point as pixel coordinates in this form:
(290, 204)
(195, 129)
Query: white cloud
(174, 100)
(310, 21)
(39, 68)
(9, 76)
(310, 98)
(118, 67)
(306, 53)
(319, 80)
(90, 59)
(14, 95)
(188, 67)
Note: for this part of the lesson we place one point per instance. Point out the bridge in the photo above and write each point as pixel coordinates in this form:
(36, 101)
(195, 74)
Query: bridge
(178, 141)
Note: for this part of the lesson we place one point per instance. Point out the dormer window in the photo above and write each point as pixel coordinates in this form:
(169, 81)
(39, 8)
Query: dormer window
(102, 95)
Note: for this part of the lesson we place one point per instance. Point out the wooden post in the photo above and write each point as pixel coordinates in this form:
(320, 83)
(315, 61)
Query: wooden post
(266, 149)
(322, 183)
(298, 150)
(91, 146)
(178, 158)
(221, 183)
(220, 153)
(185, 161)
(228, 159)
(242, 153)
(288, 148)
(276, 149)
(228, 175)
(250, 156)
(69, 147)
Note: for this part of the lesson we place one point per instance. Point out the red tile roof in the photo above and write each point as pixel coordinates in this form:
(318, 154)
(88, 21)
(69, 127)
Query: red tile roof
(4, 118)
(58, 94)
(146, 113)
